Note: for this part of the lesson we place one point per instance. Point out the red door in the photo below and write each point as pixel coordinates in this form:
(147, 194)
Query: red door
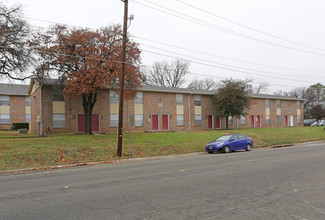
(209, 121)
(286, 120)
(258, 122)
(218, 124)
(81, 123)
(94, 123)
(252, 121)
(165, 122)
(155, 122)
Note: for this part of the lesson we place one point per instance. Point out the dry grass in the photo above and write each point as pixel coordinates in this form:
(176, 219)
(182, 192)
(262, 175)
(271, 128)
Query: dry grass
(25, 151)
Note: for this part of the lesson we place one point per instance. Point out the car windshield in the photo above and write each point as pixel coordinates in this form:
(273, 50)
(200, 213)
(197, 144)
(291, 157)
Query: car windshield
(224, 138)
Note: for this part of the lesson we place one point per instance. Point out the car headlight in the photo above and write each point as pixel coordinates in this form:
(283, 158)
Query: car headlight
(222, 143)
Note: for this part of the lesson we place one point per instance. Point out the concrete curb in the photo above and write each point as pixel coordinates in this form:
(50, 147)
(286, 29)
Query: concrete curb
(136, 159)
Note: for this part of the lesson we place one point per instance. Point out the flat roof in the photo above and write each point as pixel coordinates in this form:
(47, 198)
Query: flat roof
(13, 89)
(146, 88)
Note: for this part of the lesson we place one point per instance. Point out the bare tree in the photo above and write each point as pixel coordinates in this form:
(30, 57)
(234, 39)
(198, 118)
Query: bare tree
(15, 55)
(281, 93)
(262, 87)
(204, 84)
(168, 74)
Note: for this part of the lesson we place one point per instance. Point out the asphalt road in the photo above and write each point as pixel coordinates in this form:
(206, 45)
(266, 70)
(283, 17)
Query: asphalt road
(282, 183)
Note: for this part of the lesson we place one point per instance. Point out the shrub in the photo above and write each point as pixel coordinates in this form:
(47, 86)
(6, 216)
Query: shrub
(16, 126)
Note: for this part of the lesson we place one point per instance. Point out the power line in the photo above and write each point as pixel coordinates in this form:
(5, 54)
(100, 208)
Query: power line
(213, 26)
(284, 68)
(229, 66)
(225, 68)
(226, 58)
(250, 28)
(197, 63)
(147, 66)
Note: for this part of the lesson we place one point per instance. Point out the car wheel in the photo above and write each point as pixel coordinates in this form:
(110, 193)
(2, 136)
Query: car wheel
(248, 147)
(226, 149)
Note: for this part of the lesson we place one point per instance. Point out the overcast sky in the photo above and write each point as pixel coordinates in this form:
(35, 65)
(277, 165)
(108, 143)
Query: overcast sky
(280, 42)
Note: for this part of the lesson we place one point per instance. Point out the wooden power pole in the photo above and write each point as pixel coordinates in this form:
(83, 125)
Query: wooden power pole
(120, 114)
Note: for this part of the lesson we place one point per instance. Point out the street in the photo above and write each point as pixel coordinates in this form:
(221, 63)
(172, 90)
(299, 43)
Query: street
(281, 183)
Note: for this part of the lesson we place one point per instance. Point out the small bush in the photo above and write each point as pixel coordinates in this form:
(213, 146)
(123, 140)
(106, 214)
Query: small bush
(16, 126)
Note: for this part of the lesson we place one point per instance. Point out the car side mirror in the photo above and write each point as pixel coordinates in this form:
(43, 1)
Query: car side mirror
(231, 140)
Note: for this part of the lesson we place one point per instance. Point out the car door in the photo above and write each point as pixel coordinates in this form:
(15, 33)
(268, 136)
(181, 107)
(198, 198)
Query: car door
(242, 141)
(234, 143)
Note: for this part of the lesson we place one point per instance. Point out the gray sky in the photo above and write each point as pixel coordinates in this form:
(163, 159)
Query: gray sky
(226, 49)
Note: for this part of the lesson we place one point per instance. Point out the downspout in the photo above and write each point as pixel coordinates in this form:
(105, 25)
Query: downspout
(189, 112)
(41, 113)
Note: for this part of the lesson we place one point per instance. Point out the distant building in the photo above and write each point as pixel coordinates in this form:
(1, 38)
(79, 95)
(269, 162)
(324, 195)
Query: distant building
(155, 109)
(14, 105)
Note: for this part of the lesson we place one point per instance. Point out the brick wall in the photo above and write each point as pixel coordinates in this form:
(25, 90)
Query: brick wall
(154, 103)
(17, 111)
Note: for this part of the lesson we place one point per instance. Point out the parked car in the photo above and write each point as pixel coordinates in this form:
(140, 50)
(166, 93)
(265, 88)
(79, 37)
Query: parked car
(318, 123)
(309, 122)
(228, 143)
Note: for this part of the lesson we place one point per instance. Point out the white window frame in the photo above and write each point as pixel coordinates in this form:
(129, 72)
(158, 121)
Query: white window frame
(180, 120)
(113, 118)
(179, 99)
(197, 98)
(58, 123)
(138, 120)
(267, 119)
(4, 119)
(243, 119)
(198, 120)
(138, 99)
(4, 100)
(230, 120)
(114, 97)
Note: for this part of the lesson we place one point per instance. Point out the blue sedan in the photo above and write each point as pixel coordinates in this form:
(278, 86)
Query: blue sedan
(228, 143)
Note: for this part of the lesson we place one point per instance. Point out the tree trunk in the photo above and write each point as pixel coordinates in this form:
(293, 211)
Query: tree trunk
(226, 122)
(88, 102)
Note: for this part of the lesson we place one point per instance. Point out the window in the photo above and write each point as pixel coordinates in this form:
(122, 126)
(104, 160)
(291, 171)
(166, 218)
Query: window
(138, 99)
(180, 120)
(278, 119)
(241, 136)
(268, 120)
(198, 120)
(27, 101)
(229, 120)
(298, 119)
(298, 104)
(4, 100)
(114, 120)
(58, 120)
(179, 99)
(57, 95)
(278, 103)
(4, 119)
(267, 103)
(113, 96)
(27, 118)
(235, 137)
(138, 120)
(197, 100)
(243, 120)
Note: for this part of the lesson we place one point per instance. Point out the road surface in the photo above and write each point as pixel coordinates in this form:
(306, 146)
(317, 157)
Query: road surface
(282, 183)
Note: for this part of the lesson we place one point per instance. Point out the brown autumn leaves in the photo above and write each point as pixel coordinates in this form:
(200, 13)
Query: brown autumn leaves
(87, 60)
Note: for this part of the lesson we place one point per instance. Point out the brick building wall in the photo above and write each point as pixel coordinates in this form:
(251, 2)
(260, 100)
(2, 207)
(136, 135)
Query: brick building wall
(157, 103)
(17, 111)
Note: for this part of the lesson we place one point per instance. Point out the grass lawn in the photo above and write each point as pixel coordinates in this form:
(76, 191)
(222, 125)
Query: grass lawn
(24, 151)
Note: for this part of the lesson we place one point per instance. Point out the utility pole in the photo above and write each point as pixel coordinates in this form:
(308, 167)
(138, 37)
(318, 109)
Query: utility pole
(120, 114)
